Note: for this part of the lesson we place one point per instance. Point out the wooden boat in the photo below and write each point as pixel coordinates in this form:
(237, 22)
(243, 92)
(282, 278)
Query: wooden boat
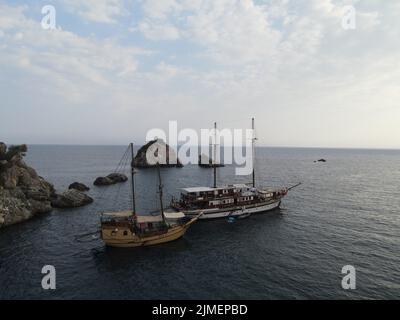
(128, 229)
(122, 229)
(237, 200)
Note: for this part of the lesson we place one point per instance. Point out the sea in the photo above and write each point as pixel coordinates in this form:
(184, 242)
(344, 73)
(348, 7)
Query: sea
(345, 213)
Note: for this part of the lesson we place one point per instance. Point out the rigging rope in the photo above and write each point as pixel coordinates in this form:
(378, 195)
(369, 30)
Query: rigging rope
(117, 170)
(122, 169)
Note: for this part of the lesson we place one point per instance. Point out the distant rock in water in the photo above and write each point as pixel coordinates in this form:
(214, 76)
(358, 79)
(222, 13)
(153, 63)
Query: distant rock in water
(158, 152)
(103, 181)
(71, 198)
(79, 186)
(112, 178)
(117, 177)
(23, 194)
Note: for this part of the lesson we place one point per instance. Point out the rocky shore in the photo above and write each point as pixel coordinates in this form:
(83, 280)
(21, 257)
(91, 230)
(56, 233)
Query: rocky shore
(24, 194)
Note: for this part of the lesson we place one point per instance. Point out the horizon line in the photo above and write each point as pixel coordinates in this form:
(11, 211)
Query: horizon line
(257, 146)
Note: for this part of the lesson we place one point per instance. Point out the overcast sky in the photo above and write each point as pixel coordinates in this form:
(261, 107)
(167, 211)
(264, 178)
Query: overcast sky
(114, 69)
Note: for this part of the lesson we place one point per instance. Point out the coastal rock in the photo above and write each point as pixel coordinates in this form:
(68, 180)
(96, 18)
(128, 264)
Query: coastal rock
(112, 178)
(3, 150)
(117, 177)
(71, 199)
(23, 194)
(79, 186)
(154, 152)
(15, 153)
(9, 177)
(103, 181)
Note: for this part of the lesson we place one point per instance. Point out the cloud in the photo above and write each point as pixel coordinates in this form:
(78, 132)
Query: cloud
(157, 9)
(101, 11)
(61, 58)
(154, 31)
(289, 63)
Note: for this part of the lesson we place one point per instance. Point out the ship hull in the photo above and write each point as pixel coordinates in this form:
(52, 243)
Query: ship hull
(234, 212)
(113, 238)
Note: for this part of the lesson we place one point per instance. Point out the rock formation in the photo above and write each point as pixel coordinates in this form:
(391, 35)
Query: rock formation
(157, 151)
(71, 198)
(112, 178)
(79, 186)
(23, 194)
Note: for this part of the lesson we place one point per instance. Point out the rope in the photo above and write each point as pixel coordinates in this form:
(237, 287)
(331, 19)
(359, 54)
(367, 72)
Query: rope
(122, 169)
(117, 170)
(124, 160)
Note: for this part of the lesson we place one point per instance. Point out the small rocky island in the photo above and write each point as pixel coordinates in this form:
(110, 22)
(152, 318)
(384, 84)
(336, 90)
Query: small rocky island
(159, 150)
(112, 178)
(78, 186)
(24, 194)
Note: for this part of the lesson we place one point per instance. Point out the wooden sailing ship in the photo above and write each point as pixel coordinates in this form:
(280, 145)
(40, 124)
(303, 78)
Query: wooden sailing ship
(236, 200)
(128, 229)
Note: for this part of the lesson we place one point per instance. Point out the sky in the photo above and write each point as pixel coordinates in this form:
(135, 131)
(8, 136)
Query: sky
(114, 69)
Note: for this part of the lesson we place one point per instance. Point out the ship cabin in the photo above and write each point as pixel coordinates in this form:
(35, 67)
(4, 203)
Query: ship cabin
(137, 224)
(239, 194)
(118, 219)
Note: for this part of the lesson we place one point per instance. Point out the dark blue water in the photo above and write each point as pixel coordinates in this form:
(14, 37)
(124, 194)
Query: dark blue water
(347, 212)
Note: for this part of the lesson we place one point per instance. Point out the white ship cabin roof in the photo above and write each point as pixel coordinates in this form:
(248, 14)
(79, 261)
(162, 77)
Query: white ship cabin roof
(241, 186)
(208, 189)
(199, 189)
(149, 219)
(173, 215)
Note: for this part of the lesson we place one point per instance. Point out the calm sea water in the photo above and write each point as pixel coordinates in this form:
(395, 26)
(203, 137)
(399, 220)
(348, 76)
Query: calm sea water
(347, 212)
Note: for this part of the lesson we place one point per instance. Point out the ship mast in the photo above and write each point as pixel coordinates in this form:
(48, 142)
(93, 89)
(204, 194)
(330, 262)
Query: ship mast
(215, 155)
(133, 180)
(253, 151)
(160, 191)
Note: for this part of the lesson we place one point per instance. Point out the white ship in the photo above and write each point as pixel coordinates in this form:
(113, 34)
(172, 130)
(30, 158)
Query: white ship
(237, 200)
